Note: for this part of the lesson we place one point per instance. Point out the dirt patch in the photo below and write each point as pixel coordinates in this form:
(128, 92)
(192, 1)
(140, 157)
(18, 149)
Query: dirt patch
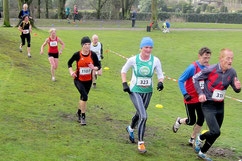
(220, 152)
(68, 117)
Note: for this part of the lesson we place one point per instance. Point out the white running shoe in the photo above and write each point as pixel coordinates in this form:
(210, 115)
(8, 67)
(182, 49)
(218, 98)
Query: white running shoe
(29, 55)
(53, 79)
(20, 49)
(176, 125)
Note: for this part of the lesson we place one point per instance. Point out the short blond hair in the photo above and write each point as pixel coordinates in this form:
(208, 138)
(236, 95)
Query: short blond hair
(52, 29)
(25, 6)
(222, 52)
(94, 36)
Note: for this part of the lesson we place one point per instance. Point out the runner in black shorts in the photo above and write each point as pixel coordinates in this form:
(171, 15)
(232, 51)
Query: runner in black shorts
(53, 52)
(86, 62)
(25, 28)
(192, 104)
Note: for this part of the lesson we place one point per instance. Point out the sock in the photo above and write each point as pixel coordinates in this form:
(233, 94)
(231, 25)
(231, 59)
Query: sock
(140, 142)
(79, 112)
(179, 121)
(130, 129)
(83, 115)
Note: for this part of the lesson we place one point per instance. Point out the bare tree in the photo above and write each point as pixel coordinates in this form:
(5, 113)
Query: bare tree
(61, 8)
(38, 9)
(6, 21)
(46, 9)
(154, 15)
(98, 5)
(126, 7)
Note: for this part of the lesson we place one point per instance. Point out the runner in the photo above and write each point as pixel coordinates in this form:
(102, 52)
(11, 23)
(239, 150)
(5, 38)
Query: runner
(24, 11)
(53, 52)
(76, 15)
(216, 78)
(25, 28)
(86, 62)
(97, 47)
(68, 10)
(141, 87)
(191, 101)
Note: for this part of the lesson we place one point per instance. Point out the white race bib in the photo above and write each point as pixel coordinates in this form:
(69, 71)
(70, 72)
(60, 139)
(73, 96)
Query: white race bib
(85, 70)
(201, 83)
(143, 81)
(218, 95)
(53, 43)
(25, 31)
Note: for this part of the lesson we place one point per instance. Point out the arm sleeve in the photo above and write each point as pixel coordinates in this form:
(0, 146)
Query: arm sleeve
(202, 75)
(95, 60)
(158, 69)
(188, 73)
(75, 57)
(232, 82)
(130, 62)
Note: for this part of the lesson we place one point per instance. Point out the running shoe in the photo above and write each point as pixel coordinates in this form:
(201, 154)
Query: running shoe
(191, 141)
(203, 156)
(29, 55)
(79, 117)
(94, 85)
(83, 122)
(141, 148)
(53, 79)
(176, 125)
(131, 134)
(20, 49)
(197, 144)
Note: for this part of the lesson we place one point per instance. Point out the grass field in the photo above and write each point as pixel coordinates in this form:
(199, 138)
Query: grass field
(125, 24)
(38, 116)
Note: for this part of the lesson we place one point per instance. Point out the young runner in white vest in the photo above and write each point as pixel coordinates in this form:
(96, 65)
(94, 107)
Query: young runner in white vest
(141, 87)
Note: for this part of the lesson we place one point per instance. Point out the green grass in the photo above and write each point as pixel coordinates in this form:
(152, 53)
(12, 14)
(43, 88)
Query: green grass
(125, 24)
(38, 116)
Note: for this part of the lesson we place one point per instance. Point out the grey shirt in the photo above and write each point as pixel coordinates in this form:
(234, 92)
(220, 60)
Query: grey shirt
(214, 80)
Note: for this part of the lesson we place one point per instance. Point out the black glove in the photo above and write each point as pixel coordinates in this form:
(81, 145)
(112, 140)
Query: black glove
(126, 87)
(160, 86)
(101, 56)
(187, 97)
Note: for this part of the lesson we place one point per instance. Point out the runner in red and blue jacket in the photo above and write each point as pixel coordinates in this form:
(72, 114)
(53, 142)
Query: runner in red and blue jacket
(191, 101)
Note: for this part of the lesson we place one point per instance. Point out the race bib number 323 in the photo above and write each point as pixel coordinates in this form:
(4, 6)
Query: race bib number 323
(143, 81)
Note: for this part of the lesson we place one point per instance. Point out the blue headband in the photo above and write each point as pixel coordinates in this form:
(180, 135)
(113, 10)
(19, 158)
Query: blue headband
(146, 41)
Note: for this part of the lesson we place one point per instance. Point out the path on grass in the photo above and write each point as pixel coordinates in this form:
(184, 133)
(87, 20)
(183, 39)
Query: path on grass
(136, 29)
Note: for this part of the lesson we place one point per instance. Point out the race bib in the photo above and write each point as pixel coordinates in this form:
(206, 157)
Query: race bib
(218, 95)
(85, 70)
(201, 83)
(53, 43)
(25, 31)
(143, 81)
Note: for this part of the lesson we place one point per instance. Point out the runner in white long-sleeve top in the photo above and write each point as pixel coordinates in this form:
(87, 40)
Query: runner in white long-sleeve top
(141, 87)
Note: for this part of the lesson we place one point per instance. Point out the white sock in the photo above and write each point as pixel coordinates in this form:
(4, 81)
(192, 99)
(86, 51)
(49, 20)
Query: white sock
(200, 153)
(140, 142)
(131, 130)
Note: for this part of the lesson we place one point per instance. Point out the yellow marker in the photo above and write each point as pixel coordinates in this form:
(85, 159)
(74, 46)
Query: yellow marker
(106, 68)
(129, 83)
(204, 131)
(158, 106)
